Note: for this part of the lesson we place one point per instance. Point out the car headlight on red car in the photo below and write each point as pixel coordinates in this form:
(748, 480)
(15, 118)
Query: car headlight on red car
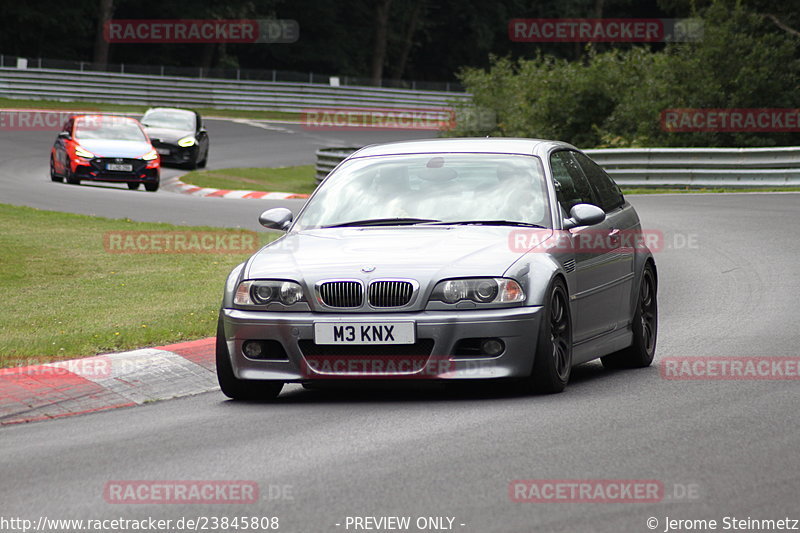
(83, 152)
(151, 155)
(478, 290)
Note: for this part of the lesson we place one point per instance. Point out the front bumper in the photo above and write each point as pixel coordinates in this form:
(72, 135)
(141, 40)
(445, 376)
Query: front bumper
(172, 154)
(438, 334)
(95, 170)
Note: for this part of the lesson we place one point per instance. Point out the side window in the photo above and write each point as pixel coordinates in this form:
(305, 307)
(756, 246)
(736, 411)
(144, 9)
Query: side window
(608, 193)
(572, 187)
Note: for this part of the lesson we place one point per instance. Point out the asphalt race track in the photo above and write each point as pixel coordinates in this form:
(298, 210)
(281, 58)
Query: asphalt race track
(729, 281)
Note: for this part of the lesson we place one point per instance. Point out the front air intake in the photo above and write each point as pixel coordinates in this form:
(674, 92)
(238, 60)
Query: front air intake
(342, 294)
(390, 293)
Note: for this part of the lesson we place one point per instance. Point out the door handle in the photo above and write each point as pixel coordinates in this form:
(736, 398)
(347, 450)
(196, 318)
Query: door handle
(614, 238)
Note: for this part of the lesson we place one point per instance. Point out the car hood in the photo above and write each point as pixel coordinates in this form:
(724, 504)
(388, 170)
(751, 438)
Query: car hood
(422, 253)
(167, 135)
(111, 148)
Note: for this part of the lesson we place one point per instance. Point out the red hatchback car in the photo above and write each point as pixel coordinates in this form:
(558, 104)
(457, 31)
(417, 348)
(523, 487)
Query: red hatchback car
(105, 148)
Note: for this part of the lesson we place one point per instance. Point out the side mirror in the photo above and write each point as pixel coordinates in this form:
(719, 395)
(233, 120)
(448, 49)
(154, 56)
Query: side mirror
(279, 218)
(584, 215)
(63, 135)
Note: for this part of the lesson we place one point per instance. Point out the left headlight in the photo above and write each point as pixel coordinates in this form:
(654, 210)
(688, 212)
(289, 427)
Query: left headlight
(149, 156)
(478, 290)
(187, 141)
(262, 292)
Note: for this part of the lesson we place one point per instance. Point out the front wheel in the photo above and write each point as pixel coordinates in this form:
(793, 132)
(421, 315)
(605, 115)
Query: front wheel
(151, 186)
(53, 176)
(240, 389)
(71, 179)
(552, 364)
(645, 327)
(133, 185)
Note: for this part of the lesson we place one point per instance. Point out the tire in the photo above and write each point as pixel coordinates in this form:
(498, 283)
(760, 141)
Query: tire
(71, 179)
(53, 176)
(133, 185)
(645, 327)
(152, 187)
(240, 389)
(552, 363)
(202, 164)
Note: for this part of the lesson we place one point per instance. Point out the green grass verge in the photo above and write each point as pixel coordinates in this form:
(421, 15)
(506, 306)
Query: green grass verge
(297, 179)
(65, 295)
(12, 103)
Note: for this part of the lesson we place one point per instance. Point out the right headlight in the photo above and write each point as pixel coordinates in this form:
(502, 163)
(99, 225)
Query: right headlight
(187, 141)
(262, 292)
(80, 151)
(478, 290)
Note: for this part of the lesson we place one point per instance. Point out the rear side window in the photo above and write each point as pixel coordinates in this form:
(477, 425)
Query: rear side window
(608, 193)
(572, 187)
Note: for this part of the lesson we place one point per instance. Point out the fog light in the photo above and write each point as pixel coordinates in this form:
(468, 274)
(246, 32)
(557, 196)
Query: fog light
(252, 349)
(493, 347)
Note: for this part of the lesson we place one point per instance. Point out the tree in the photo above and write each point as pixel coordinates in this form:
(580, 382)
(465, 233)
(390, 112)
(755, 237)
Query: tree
(101, 44)
(379, 46)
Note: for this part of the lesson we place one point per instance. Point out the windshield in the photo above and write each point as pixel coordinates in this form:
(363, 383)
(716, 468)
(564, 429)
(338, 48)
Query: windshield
(432, 188)
(173, 120)
(111, 128)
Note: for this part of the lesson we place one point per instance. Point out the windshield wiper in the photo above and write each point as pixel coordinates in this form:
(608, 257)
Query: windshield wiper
(383, 222)
(488, 223)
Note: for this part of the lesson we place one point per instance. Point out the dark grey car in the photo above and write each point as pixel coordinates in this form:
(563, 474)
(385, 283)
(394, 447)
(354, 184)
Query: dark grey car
(178, 135)
(446, 259)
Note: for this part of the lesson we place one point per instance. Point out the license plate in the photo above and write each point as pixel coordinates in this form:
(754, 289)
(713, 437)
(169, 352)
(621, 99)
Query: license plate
(121, 168)
(163, 151)
(364, 332)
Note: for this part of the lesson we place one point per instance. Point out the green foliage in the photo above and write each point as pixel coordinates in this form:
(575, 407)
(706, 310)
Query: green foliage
(615, 98)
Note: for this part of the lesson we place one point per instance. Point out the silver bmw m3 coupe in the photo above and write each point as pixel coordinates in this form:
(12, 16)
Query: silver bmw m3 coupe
(444, 259)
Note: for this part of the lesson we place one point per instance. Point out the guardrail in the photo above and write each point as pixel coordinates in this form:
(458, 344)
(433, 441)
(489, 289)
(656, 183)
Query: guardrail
(136, 89)
(251, 74)
(328, 158)
(670, 167)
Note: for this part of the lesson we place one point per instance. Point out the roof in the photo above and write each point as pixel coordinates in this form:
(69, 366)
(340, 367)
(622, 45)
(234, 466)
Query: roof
(103, 117)
(500, 145)
(172, 110)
